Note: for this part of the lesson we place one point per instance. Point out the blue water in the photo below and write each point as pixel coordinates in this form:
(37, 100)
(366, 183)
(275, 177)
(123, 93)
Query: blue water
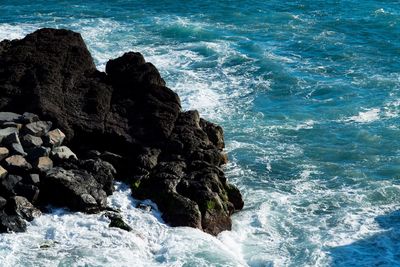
(308, 93)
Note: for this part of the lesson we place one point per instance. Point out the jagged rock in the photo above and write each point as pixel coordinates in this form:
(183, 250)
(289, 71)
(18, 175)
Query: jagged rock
(11, 223)
(37, 152)
(6, 132)
(17, 149)
(167, 155)
(30, 141)
(17, 164)
(147, 159)
(38, 128)
(11, 124)
(48, 244)
(234, 196)
(14, 144)
(144, 207)
(9, 117)
(33, 179)
(63, 153)
(214, 132)
(11, 138)
(3, 202)
(44, 164)
(3, 172)
(54, 138)
(23, 208)
(103, 172)
(3, 153)
(117, 221)
(120, 163)
(8, 183)
(75, 189)
(29, 191)
(28, 118)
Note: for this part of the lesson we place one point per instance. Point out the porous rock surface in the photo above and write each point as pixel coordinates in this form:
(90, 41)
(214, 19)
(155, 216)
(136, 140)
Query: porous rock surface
(125, 116)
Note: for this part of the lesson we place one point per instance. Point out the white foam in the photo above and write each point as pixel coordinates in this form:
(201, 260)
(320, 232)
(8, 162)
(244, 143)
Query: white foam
(10, 32)
(76, 239)
(366, 116)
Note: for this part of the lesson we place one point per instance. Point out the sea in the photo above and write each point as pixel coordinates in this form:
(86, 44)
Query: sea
(308, 94)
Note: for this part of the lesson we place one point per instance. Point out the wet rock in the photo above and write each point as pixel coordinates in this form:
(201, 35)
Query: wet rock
(75, 189)
(144, 207)
(181, 210)
(54, 138)
(48, 244)
(38, 128)
(234, 196)
(17, 164)
(9, 117)
(30, 141)
(63, 153)
(117, 221)
(21, 207)
(11, 223)
(44, 164)
(3, 153)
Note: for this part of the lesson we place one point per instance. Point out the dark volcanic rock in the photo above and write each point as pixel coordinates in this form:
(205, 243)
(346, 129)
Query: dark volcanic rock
(37, 152)
(167, 155)
(11, 223)
(102, 171)
(8, 183)
(117, 221)
(29, 191)
(31, 179)
(23, 208)
(75, 189)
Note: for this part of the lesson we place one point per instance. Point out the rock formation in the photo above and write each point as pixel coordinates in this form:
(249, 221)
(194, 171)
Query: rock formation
(124, 123)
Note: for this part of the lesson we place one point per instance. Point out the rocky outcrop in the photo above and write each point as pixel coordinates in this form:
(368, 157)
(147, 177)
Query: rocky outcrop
(55, 176)
(126, 117)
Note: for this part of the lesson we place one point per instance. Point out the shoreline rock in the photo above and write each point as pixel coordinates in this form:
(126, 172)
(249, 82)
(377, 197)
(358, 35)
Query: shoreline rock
(123, 123)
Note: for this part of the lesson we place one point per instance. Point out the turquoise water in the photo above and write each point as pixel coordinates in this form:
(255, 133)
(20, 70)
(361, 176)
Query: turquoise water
(308, 93)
